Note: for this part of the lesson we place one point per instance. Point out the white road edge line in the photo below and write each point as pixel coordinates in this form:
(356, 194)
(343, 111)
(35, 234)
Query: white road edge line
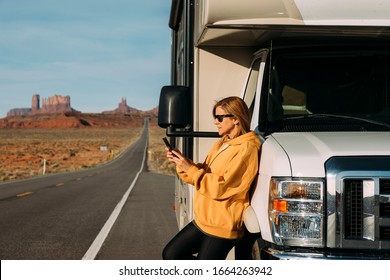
(101, 237)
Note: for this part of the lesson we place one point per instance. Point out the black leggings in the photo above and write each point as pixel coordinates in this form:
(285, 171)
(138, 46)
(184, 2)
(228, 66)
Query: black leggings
(191, 240)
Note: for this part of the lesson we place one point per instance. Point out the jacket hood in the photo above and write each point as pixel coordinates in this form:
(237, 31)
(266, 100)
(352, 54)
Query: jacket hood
(249, 137)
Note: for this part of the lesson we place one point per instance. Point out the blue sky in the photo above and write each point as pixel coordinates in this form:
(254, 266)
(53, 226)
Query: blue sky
(95, 51)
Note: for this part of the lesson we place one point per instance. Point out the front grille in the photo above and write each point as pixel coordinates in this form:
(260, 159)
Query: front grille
(385, 233)
(384, 210)
(353, 190)
(385, 186)
(367, 209)
(358, 203)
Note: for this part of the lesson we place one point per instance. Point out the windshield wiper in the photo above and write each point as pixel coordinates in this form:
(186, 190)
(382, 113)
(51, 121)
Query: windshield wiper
(310, 116)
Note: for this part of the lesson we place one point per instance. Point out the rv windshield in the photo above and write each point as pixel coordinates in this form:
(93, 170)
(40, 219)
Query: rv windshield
(345, 88)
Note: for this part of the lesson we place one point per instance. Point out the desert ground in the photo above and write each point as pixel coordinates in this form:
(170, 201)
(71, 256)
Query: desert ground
(28, 152)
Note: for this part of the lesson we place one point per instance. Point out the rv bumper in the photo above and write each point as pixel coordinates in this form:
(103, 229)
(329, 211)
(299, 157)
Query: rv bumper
(272, 254)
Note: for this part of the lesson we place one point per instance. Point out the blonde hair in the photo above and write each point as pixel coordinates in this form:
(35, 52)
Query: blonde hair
(237, 107)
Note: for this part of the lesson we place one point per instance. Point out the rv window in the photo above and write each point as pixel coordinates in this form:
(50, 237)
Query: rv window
(343, 83)
(250, 90)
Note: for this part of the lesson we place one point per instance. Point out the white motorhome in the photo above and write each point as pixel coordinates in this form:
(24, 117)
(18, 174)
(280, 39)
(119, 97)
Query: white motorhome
(316, 77)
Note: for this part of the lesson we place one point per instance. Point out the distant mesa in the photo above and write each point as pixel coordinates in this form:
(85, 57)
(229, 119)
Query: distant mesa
(56, 112)
(123, 108)
(52, 105)
(58, 104)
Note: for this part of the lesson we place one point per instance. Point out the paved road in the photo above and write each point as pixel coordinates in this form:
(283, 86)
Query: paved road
(146, 223)
(60, 216)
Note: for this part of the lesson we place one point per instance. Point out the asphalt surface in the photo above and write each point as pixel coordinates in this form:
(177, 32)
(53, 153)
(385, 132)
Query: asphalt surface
(146, 223)
(60, 216)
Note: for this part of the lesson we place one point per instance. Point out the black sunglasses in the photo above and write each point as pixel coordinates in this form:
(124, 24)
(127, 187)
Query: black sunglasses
(220, 117)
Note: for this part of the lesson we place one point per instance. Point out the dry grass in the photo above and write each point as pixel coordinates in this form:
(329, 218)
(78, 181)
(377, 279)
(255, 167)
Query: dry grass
(24, 151)
(157, 161)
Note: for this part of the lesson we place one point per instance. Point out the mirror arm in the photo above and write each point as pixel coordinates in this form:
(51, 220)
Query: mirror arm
(171, 131)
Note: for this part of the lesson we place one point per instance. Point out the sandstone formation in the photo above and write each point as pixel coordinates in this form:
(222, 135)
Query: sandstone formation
(123, 108)
(56, 112)
(74, 120)
(19, 112)
(53, 105)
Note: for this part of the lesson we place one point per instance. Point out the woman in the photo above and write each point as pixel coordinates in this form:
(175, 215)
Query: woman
(222, 186)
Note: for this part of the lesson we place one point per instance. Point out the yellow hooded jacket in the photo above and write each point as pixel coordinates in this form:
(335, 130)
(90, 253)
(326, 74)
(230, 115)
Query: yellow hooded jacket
(222, 185)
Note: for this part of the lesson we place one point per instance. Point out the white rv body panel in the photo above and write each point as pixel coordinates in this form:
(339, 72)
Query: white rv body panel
(345, 12)
(315, 12)
(308, 152)
(216, 72)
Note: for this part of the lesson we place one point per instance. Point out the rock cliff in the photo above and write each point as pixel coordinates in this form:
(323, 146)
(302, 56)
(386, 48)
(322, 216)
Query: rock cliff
(56, 111)
(56, 104)
(19, 112)
(123, 108)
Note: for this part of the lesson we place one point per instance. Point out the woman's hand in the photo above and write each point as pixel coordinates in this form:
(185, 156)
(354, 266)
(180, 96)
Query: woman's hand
(181, 161)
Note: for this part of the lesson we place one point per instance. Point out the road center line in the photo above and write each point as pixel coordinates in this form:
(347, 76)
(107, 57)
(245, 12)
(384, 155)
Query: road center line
(98, 242)
(23, 194)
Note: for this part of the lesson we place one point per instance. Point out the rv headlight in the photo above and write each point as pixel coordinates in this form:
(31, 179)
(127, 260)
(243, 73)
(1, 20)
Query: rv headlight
(296, 211)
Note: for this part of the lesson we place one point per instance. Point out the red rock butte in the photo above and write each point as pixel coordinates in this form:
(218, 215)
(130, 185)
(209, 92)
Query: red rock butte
(54, 104)
(56, 112)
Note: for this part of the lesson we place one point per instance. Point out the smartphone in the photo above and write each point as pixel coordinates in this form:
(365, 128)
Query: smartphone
(167, 143)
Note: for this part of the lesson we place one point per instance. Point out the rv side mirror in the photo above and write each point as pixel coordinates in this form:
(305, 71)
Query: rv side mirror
(174, 107)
